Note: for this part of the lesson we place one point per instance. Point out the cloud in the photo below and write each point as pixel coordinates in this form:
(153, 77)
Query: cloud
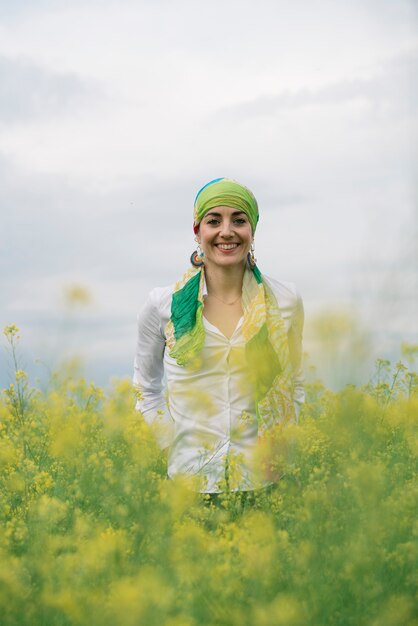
(392, 86)
(113, 115)
(28, 91)
(55, 232)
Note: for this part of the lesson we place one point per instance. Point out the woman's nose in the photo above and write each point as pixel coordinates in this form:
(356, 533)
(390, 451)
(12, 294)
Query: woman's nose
(226, 230)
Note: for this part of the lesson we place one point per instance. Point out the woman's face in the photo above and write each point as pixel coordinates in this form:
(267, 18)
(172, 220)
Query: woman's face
(225, 236)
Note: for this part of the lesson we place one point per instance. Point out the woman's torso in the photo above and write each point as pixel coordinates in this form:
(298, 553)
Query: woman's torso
(212, 403)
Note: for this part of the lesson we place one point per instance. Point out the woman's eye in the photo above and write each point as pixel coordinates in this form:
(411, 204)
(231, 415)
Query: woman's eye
(239, 221)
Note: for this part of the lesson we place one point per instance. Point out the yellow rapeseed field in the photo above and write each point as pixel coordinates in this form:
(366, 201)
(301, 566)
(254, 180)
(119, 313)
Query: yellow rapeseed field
(93, 534)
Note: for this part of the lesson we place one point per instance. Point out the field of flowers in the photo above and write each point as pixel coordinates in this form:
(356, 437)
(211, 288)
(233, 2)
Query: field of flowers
(92, 533)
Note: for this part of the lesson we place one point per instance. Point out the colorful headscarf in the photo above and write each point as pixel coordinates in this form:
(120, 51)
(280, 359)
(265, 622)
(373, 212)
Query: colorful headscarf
(263, 327)
(225, 192)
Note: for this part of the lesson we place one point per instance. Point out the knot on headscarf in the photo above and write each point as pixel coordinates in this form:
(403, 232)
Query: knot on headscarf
(225, 192)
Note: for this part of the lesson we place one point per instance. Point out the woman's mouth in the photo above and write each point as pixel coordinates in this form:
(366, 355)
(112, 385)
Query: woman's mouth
(227, 246)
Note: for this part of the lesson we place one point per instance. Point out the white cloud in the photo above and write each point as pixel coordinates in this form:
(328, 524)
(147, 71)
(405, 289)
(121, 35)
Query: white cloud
(28, 92)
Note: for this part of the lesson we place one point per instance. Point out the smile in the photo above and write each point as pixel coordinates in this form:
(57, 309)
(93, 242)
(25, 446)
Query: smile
(227, 246)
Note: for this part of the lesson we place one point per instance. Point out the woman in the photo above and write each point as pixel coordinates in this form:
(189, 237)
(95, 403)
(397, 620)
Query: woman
(228, 340)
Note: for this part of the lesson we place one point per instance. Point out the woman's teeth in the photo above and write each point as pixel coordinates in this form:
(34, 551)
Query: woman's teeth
(227, 246)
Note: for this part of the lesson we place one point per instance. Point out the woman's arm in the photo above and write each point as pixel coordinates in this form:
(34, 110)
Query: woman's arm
(295, 350)
(149, 372)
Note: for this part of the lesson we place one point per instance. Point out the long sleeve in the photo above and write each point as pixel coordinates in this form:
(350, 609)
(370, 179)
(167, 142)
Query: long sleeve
(295, 334)
(149, 372)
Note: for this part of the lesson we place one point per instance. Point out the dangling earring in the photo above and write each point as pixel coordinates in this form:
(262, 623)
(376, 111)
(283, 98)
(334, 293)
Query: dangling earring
(251, 260)
(197, 256)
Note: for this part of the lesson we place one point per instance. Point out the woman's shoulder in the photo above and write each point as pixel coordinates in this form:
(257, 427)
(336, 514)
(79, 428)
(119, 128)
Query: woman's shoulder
(287, 295)
(160, 296)
(283, 288)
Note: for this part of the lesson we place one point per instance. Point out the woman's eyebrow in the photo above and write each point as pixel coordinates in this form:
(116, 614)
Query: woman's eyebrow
(234, 214)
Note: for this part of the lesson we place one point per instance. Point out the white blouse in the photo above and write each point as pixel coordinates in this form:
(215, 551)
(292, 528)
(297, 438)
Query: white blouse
(207, 416)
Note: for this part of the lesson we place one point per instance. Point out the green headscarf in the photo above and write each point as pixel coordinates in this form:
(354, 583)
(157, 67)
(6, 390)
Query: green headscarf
(226, 192)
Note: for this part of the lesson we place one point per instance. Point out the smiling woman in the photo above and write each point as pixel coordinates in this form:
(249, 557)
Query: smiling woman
(228, 342)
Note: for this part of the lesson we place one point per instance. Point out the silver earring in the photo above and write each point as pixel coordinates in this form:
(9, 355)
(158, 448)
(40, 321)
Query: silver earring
(252, 261)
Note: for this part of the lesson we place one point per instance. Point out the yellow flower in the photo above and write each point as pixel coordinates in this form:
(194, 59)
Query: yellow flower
(77, 295)
(11, 331)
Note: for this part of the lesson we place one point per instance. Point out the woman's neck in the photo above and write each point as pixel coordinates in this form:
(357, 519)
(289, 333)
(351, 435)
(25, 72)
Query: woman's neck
(224, 281)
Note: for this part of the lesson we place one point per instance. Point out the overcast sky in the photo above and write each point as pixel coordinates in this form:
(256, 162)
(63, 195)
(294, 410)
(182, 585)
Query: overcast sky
(113, 115)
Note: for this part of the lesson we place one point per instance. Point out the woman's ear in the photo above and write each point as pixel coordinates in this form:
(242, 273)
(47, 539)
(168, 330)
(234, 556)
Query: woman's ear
(196, 229)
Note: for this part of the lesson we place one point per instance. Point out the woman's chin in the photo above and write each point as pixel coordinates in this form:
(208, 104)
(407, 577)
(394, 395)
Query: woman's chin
(226, 261)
